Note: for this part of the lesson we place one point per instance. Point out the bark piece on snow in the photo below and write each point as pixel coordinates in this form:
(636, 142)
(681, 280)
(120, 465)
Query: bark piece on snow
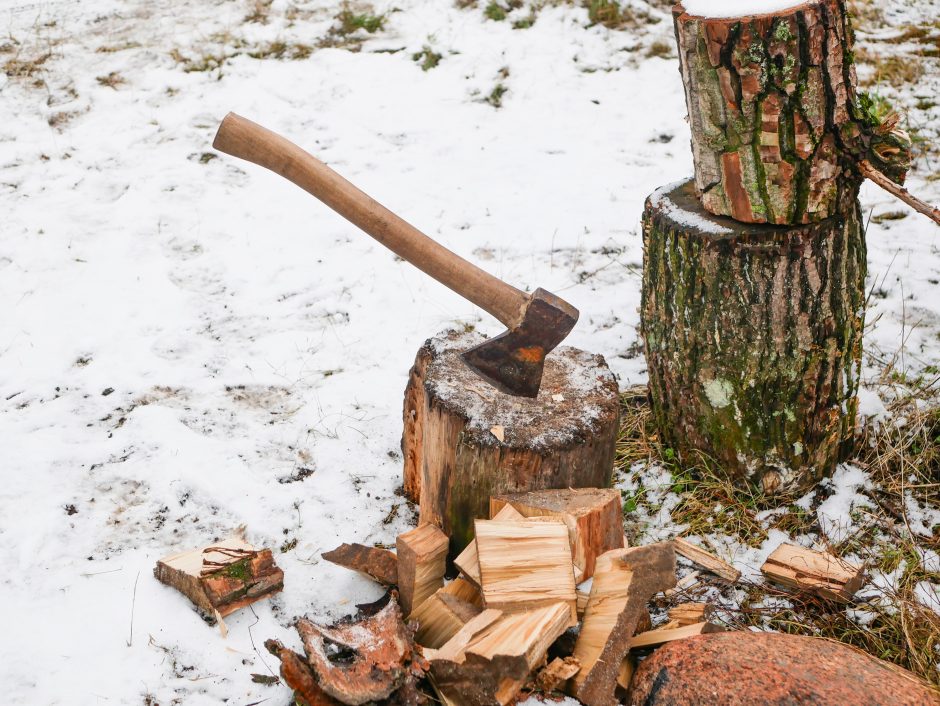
(817, 572)
(525, 564)
(563, 438)
(298, 675)
(223, 577)
(490, 660)
(706, 560)
(662, 635)
(422, 561)
(690, 613)
(361, 659)
(468, 561)
(771, 397)
(379, 564)
(593, 516)
(554, 674)
(624, 582)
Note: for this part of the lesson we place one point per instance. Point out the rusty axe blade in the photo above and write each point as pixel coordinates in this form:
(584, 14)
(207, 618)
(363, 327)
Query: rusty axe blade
(514, 360)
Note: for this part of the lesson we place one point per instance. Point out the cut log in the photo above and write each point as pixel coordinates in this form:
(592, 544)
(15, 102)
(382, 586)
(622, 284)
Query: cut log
(753, 339)
(554, 675)
(490, 660)
(816, 572)
(365, 658)
(706, 560)
(777, 128)
(378, 564)
(624, 582)
(593, 517)
(691, 613)
(564, 438)
(422, 561)
(468, 561)
(660, 636)
(525, 564)
(223, 577)
(440, 617)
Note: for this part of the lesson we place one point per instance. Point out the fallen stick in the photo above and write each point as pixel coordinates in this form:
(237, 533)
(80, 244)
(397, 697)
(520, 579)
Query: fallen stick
(932, 212)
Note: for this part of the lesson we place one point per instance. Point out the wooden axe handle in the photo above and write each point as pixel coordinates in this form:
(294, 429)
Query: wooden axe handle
(243, 138)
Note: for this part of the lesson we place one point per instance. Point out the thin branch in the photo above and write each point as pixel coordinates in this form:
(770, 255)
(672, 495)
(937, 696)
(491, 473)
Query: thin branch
(130, 639)
(932, 212)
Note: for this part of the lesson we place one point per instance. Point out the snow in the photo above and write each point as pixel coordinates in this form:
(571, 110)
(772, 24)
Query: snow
(835, 513)
(736, 8)
(680, 215)
(185, 335)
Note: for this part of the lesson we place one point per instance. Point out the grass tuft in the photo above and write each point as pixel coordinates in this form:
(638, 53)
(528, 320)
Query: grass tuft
(427, 58)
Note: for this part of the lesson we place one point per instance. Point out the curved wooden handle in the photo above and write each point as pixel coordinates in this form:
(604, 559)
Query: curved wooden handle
(243, 138)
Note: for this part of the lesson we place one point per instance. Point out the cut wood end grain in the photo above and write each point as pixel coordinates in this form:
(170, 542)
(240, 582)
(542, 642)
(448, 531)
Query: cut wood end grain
(222, 577)
(817, 572)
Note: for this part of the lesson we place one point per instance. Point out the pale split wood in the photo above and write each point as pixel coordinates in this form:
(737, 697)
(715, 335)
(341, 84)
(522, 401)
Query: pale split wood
(624, 582)
(491, 658)
(817, 572)
(660, 636)
(554, 675)
(465, 591)
(707, 560)
(682, 584)
(593, 517)
(690, 613)
(525, 564)
(422, 561)
(440, 617)
(468, 561)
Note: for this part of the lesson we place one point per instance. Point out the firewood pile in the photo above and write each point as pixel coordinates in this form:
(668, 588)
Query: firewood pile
(547, 599)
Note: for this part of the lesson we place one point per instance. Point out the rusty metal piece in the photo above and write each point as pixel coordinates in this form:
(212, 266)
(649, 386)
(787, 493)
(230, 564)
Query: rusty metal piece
(513, 361)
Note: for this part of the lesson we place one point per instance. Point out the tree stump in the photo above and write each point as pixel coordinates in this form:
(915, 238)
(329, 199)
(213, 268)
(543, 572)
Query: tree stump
(777, 127)
(464, 440)
(753, 337)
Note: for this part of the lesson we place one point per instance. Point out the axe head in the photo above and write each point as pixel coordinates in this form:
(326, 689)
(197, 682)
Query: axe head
(513, 361)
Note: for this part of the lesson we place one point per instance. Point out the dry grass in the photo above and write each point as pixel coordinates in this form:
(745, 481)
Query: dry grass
(902, 462)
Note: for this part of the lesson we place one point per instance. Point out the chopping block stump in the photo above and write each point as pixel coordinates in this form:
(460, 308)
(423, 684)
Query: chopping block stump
(753, 338)
(464, 440)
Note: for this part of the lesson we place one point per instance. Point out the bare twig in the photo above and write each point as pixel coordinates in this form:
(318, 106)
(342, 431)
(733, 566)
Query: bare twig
(130, 638)
(932, 212)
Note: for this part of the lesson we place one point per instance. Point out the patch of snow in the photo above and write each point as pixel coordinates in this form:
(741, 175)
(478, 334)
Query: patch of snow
(835, 512)
(736, 8)
(685, 218)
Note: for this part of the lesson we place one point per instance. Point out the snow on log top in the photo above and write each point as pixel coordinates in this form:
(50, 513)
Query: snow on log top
(736, 8)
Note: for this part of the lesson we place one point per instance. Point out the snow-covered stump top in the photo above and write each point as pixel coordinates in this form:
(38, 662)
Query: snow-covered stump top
(464, 440)
(777, 127)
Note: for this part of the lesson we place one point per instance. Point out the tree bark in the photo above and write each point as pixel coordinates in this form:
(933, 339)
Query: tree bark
(464, 440)
(753, 337)
(777, 127)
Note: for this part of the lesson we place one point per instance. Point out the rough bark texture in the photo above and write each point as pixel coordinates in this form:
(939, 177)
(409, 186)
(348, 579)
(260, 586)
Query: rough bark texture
(772, 669)
(777, 127)
(468, 440)
(753, 337)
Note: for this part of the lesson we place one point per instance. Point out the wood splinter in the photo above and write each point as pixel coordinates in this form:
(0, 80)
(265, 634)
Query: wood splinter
(707, 560)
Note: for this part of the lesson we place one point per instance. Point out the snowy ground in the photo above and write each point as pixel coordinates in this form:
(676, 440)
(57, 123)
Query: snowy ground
(185, 336)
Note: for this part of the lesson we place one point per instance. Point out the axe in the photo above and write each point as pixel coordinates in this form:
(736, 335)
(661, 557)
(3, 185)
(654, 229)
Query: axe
(512, 361)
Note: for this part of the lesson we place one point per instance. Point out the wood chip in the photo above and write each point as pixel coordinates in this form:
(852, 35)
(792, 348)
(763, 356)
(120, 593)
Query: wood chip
(422, 560)
(690, 613)
(525, 564)
(816, 572)
(378, 564)
(685, 582)
(554, 675)
(706, 560)
(499, 432)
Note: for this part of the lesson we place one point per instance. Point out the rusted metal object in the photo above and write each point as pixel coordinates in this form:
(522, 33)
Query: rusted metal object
(772, 669)
(514, 360)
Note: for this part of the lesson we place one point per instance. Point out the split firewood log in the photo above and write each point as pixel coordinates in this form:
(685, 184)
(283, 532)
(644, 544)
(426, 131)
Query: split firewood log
(468, 561)
(223, 577)
(624, 582)
(422, 561)
(593, 516)
(816, 572)
(490, 659)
